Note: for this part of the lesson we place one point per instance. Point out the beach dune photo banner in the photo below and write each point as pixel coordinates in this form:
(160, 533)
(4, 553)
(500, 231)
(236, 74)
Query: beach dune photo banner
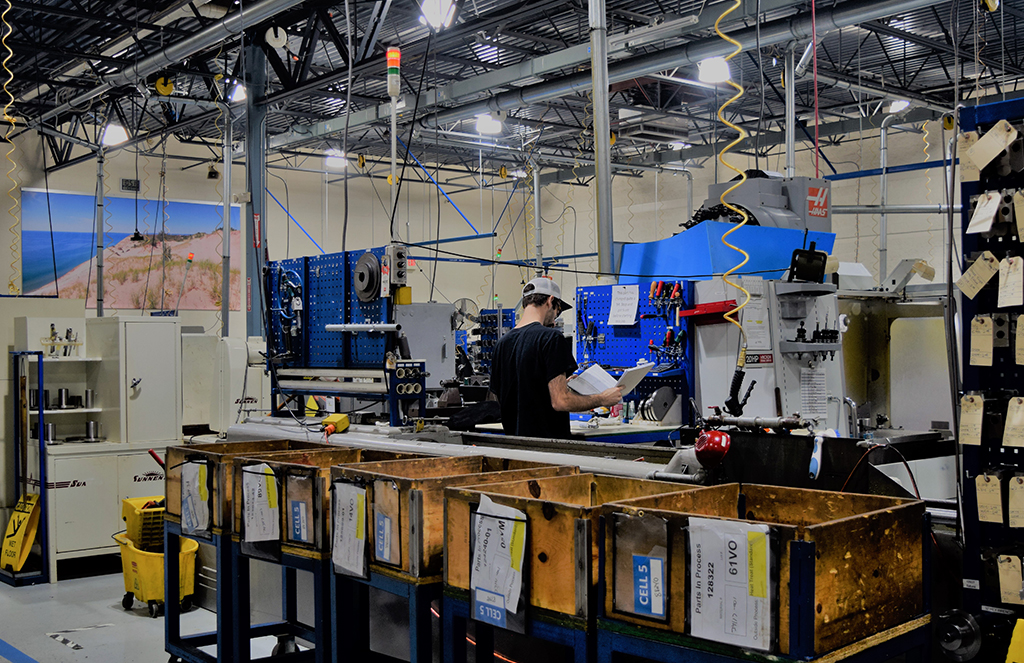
(146, 270)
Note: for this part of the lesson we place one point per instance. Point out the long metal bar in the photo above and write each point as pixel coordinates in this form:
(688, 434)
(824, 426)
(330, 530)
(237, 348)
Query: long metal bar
(791, 112)
(334, 387)
(883, 219)
(225, 234)
(602, 135)
(99, 233)
(538, 223)
(215, 33)
(874, 172)
(254, 233)
(893, 209)
(363, 327)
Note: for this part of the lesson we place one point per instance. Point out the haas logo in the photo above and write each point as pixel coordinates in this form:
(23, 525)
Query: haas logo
(817, 201)
(149, 476)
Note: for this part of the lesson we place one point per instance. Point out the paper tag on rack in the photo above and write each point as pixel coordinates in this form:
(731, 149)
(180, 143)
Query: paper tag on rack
(981, 341)
(260, 505)
(984, 212)
(990, 498)
(1011, 282)
(968, 171)
(1018, 212)
(1019, 341)
(349, 550)
(1010, 579)
(978, 274)
(972, 414)
(1013, 431)
(195, 505)
(1017, 501)
(992, 144)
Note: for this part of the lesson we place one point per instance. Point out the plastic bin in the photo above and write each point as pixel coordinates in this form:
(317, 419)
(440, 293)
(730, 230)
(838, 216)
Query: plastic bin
(144, 574)
(145, 526)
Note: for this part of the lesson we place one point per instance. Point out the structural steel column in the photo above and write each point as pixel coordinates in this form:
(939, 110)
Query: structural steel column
(254, 227)
(602, 136)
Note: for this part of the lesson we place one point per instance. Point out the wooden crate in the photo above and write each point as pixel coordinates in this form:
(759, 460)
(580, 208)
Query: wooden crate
(302, 480)
(217, 457)
(406, 492)
(868, 555)
(562, 532)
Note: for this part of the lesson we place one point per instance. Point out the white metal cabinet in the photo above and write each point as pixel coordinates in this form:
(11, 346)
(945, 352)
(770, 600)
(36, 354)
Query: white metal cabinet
(84, 491)
(152, 356)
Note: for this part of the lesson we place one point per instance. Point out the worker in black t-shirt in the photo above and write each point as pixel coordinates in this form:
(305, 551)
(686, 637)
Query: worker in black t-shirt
(530, 367)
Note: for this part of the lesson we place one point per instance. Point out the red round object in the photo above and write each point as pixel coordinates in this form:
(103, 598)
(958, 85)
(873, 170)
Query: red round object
(711, 447)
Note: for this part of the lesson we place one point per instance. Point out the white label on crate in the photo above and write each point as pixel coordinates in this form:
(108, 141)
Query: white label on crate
(729, 598)
(978, 274)
(625, 300)
(489, 607)
(260, 503)
(971, 584)
(1011, 282)
(649, 585)
(349, 528)
(300, 527)
(195, 504)
(382, 538)
(500, 544)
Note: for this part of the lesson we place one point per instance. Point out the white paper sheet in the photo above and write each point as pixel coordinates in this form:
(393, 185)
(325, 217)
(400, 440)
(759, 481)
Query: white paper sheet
(349, 514)
(259, 489)
(499, 551)
(813, 394)
(195, 505)
(985, 212)
(625, 300)
(595, 379)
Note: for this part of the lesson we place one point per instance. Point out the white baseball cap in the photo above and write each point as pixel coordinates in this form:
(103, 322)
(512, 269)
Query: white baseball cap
(542, 285)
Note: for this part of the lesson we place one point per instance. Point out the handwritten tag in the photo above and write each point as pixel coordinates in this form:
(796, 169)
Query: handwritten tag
(984, 212)
(990, 498)
(981, 341)
(1018, 213)
(992, 144)
(980, 273)
(968, 171)
(1010, 579)
(1011, 282)
(1018, 349)
(1017, 502)
(1013, 432)
(972, 413)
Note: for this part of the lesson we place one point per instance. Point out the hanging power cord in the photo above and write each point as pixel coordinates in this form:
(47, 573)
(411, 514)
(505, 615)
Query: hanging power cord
(408, 142)
(49, 215)
(348, 115)
(164, 218)
(629, 210)
(734, 405)
(928, 193)
(13, 283)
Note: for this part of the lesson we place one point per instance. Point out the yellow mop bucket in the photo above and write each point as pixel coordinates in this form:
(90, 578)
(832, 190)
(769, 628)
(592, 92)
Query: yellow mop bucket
(144, 574)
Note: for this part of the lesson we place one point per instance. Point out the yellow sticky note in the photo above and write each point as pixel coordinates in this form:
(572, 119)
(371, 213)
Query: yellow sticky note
(271, 487)
(978, 274)
(1011, 282)
(361, 516)
(1013, 432)
(972, 412)
(981, 341)
(1009, 579)
(992, 144)
(204, 493)
(990, 498)
(1016, 510)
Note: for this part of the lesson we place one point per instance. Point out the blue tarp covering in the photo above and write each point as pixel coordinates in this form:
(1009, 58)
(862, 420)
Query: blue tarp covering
(698, 253)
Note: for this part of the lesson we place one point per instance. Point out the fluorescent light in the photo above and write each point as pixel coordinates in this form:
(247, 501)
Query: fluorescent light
(898, 106)
(713, 70)
(680, 145)
(238, 92)
(485, 124)
(518, 174)
(437, 13)
(113, 134)
(335, 160)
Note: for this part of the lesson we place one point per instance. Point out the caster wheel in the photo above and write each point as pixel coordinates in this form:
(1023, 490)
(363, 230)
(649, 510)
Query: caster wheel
(285, 645)
(186, 604)
(128, 601)
(154, 609)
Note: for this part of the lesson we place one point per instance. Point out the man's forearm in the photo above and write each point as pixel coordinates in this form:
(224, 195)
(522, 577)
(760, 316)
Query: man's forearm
(579, 403)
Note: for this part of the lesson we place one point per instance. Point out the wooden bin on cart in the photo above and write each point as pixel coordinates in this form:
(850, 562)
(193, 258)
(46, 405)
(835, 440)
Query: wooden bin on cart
(302, 482)
(561, 560)
(216, 459)
(867, 556)
(402, 493)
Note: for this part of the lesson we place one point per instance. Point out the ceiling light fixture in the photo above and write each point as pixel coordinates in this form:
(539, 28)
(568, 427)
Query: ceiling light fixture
(898, 106)
(680, 145)
(437, 13)
(238, 93)
(518, 174)
(113, 134)
(713, 70)
(486, 124)
(335, 160)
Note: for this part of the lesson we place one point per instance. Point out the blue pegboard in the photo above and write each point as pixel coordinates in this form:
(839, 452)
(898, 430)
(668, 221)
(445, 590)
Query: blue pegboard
(624, 346)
